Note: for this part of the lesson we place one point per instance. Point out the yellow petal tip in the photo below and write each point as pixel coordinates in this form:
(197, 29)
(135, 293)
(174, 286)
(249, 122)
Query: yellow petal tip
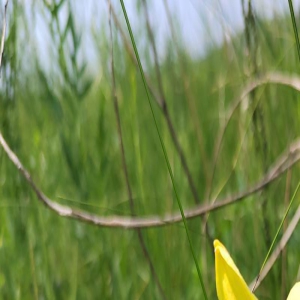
(295, 292)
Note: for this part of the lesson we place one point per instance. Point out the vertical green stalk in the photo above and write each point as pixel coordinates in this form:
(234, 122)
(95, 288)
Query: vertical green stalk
(295, 27)
(276, 235)
(163, 148)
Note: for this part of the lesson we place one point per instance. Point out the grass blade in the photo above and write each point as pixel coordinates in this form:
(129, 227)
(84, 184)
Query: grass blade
(295, 27)
(276, 235)
(163, 148)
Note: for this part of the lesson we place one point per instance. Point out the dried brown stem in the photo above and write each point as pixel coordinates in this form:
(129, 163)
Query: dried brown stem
(131, 54)
(160, 99)
(118, 119)
(269, 78)
(191, 101)
(282, 164)
(154, 50)
(281, 245)
(124, 164)
(285, 225)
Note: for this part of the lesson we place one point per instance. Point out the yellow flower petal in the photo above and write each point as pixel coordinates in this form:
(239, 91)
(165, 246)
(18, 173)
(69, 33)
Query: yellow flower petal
(295, 292)
(229, 281)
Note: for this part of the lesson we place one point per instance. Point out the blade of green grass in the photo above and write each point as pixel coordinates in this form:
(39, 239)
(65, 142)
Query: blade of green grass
(276, 235)
(294, 26)
(163, 148)
(292, 200)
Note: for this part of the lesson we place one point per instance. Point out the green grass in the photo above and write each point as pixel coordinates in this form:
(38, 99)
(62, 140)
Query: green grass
(69, 143)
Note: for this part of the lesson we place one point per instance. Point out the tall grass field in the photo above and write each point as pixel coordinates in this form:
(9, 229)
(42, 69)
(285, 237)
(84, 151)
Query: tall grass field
(220, 139)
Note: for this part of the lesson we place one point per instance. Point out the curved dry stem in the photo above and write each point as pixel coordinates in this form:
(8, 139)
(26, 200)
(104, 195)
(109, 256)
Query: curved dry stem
(280, 247)
(292, 81)
(290, 157)
(283, 163)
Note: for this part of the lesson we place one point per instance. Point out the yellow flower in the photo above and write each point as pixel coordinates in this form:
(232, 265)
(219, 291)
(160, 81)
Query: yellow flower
(295, 292)
(229, 281)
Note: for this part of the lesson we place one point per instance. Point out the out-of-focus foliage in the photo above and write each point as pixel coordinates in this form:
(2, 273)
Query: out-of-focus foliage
(60, 121)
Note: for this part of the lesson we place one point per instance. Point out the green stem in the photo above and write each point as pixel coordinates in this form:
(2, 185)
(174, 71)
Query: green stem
(295, 27)
(163, 148)
(276, 235)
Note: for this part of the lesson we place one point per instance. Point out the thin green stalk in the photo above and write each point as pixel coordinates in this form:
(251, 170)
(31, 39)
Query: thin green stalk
(298, 51)
(276, 235)
(163, 148)
(295, 27)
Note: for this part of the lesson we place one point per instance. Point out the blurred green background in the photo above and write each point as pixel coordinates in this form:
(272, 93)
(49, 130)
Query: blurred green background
(57, 114)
